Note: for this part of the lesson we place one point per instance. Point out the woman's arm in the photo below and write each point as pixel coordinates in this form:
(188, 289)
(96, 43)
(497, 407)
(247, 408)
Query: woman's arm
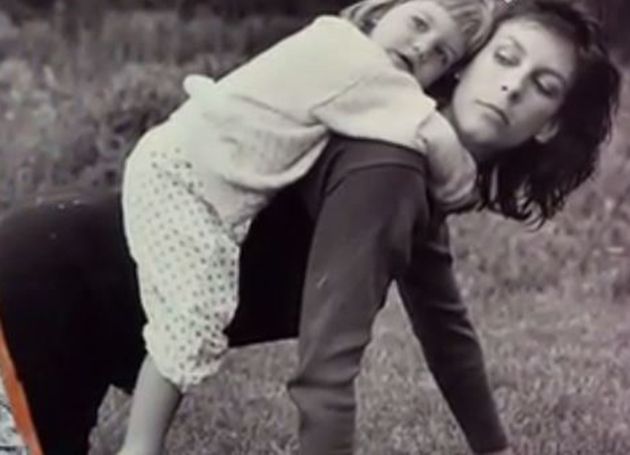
(363, 236)
(442, 324)
(155, 401)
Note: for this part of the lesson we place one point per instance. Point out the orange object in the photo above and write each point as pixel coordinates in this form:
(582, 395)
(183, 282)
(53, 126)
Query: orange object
(18, 400)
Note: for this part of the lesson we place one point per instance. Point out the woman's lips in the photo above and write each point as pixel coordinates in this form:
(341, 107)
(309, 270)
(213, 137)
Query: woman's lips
(498, 112)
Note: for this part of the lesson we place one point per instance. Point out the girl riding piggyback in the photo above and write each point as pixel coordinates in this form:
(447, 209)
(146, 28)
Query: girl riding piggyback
(193, 184)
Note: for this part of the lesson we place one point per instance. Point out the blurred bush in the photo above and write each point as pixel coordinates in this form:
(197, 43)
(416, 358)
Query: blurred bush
(73, 107)
(73, 110)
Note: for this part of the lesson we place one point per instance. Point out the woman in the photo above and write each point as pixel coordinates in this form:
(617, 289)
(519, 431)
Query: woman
(527, 109)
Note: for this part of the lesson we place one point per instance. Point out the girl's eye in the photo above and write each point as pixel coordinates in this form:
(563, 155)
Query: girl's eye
(420, 24)
(442, 55)
(506, 56)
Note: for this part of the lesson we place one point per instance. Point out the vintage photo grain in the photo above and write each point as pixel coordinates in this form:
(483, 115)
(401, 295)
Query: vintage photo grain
(315, 227)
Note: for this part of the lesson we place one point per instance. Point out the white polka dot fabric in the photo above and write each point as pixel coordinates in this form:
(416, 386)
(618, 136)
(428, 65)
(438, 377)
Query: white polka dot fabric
(187, 264)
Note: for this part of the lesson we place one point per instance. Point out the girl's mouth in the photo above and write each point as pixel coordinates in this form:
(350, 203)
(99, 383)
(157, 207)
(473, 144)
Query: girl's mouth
(403, 62)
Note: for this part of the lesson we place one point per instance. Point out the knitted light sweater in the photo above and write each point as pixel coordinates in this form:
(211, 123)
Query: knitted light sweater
(262, 126)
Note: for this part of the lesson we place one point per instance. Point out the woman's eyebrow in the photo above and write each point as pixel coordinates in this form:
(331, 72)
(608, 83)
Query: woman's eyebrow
(516, 43)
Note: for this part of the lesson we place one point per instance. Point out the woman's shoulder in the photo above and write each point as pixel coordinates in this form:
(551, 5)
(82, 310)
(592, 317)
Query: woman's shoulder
(374, 152)
(345, 155)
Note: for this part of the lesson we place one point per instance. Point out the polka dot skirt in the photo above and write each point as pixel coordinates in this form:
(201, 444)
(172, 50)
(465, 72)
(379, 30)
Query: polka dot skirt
(186, 261)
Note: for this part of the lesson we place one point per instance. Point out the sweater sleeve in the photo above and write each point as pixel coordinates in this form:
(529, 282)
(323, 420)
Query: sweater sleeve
(362, 238)
(389, 106)
(331, 73)
(316, 66)
(385, 104)
(451, 346)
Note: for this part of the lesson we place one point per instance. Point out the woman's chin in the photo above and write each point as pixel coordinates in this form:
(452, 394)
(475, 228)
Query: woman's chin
(481, 142)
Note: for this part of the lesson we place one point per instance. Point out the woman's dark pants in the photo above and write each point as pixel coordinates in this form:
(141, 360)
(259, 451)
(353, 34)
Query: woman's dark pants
(70, 310)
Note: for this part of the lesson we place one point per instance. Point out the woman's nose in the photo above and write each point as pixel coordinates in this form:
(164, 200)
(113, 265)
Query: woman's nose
(512, 88)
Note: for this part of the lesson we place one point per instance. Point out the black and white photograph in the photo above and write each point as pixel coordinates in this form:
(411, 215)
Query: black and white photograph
(437, 262)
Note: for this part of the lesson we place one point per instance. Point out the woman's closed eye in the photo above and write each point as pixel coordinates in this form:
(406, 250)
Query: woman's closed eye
(506, 56)
(547, 86)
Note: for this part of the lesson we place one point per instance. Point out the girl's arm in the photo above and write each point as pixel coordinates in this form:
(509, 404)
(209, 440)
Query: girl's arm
(452, 169)
(383, 104)
(388, 105)
(155, 401)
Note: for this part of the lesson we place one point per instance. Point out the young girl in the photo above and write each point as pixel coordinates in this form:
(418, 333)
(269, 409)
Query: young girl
(193, 184)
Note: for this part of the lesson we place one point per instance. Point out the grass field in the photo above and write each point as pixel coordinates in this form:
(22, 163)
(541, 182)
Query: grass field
(552, 306)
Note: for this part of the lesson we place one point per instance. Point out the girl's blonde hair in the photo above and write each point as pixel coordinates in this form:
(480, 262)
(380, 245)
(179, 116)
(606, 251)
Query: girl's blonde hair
(475, 18)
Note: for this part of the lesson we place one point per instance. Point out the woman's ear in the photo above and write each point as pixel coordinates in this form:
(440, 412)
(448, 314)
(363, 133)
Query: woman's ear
(547, 132)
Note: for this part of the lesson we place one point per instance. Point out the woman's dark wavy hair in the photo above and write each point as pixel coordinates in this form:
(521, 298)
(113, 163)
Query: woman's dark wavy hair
(531, 182)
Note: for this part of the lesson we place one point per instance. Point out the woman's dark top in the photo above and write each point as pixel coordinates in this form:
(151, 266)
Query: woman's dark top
(359, 221)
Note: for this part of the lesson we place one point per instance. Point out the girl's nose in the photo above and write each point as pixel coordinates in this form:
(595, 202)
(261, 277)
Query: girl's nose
(421, 56)
(421, 53)
(422, 46)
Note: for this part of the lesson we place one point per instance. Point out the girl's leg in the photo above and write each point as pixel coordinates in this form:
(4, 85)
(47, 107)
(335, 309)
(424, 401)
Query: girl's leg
(155, 401)
(188, 278)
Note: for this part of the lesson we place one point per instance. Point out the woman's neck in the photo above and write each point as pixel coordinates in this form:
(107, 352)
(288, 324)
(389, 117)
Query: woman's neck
(478, 153)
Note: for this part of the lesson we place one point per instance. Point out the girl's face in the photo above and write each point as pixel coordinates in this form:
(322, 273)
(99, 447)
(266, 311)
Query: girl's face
(420, 37)
(513, 89)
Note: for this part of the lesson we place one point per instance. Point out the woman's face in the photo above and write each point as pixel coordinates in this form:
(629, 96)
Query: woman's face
(513, 89)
